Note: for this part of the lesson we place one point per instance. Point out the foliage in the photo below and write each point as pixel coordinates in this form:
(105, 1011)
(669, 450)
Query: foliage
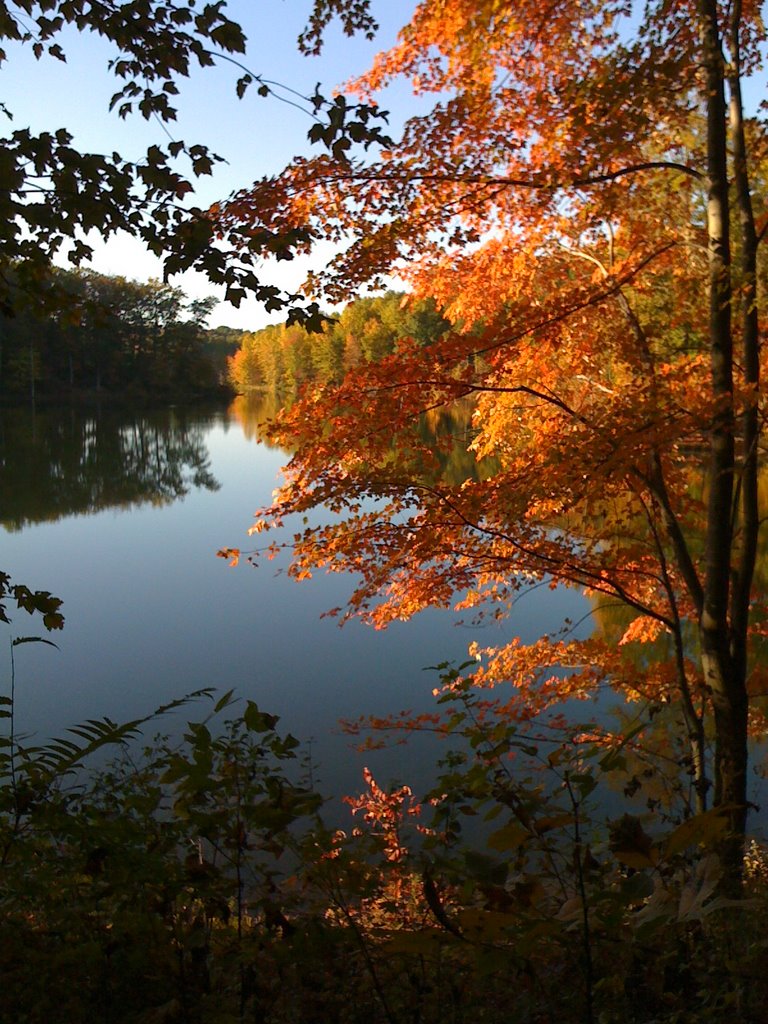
(281, 359)
(142, 889)
(579, 185)
(55, 195)
(195, 882)
(132, 337)
(527, 898)
(30, 601)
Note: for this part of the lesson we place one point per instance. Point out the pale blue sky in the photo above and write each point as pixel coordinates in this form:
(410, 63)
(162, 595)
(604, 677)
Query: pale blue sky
(255, 135)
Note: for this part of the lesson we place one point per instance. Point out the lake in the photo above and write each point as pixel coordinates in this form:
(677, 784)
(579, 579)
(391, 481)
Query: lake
(121, 515)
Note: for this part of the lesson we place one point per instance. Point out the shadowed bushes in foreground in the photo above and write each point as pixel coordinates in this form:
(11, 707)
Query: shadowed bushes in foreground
(194, 881)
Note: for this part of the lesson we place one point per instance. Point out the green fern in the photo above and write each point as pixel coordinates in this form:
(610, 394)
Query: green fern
(63, 755)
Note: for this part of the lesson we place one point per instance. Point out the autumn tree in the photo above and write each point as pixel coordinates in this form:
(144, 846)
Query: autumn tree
(580, 202)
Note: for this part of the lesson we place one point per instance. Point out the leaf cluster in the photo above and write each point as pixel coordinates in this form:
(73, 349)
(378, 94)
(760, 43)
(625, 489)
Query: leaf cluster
(32, 601)
(355, 16)
(54, 194)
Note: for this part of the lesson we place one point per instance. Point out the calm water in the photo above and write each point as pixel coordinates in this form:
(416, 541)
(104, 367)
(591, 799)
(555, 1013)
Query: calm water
(121, 515)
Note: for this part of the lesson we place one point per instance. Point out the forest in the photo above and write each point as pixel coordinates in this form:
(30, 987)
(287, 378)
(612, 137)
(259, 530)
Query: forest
(111, 336)
(281, 358)
(575, 218)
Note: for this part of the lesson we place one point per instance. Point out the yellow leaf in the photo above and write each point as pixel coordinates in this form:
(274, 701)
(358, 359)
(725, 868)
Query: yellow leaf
(508, 838)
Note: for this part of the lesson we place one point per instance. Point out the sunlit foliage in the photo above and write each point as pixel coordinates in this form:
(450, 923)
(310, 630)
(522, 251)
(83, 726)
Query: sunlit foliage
(582, 203)
(280, 359)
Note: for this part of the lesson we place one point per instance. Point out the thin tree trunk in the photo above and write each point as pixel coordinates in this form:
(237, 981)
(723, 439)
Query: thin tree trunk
(723, 673)
(747, 511)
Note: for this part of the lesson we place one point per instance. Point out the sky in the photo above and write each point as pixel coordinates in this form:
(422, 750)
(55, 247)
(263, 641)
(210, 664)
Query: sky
(256, 136)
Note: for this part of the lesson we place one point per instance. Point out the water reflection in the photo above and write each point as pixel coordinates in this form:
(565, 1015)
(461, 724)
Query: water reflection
(454, 463)
(152, 613)
(55, 464)
(252, 412)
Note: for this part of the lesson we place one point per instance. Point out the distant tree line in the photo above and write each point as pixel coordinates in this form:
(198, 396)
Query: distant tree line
(279, 359)
(115, 335)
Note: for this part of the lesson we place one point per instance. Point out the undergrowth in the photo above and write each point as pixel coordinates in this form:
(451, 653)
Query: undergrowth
(193, 881)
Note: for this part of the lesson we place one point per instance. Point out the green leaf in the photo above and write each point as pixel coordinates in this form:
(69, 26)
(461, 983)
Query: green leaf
(223, 701)
(258, 721)
(700, 830)
(584, 782)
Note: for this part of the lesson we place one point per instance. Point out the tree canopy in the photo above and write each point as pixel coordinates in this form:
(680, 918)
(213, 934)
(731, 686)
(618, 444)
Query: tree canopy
(582, 202)
(53, 195)
(138, 340)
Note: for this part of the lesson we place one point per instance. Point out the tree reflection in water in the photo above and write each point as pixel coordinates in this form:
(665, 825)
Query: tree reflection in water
(446, 433)
(55, 464)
